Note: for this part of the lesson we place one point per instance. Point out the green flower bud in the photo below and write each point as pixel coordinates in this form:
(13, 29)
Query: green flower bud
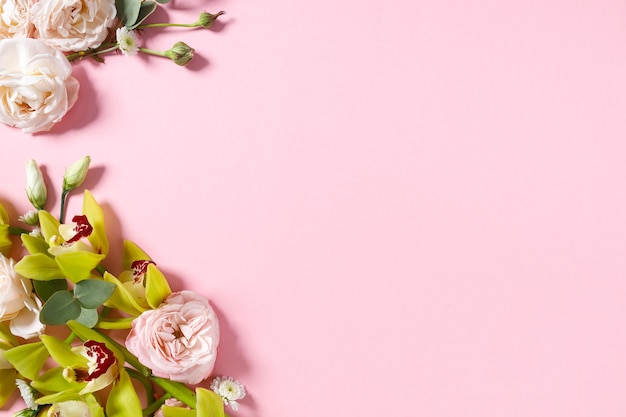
(31, 218)
(180, 53)
(207, 19)
(76, 173)
(35, 187)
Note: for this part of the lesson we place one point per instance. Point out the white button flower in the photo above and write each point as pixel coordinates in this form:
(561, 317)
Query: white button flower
(127, 41)
(229, 389)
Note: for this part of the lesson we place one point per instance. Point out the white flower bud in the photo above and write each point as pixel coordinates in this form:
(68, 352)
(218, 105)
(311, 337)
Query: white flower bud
(35, 187)
(76, 173)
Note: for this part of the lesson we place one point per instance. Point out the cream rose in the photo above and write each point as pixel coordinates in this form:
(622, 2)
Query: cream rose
(36, 84)
(14, 20)
(17, 302)
(73, 25)
(179, 339)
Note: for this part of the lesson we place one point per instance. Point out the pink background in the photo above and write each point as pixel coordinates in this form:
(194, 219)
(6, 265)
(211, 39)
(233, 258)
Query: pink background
(406, 209)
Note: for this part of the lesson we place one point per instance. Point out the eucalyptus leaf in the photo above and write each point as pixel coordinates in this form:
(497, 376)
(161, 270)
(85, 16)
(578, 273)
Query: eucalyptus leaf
(60, 308)
(162, 1)
(128, 11)
(147, 8)
(92, 293)
(88, 317)
(45, 289)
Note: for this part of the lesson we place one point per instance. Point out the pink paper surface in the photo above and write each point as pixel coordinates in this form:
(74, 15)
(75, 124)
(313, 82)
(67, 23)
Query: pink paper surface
(415, 208)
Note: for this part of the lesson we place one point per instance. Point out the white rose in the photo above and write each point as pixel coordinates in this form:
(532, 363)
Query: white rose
(17, 302)
(36, 84)
(14, 21)
(73, 25)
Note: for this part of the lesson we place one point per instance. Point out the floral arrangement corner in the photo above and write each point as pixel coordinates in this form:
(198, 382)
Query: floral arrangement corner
(59, 307)
(40, 39)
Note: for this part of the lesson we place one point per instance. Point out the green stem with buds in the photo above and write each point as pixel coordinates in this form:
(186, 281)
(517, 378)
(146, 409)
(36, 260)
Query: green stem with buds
(17, 231)
(115, 324)
(64, 194)
(153, 52)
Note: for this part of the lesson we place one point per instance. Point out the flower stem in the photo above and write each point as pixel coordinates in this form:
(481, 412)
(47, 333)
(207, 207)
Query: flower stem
(152, 52)
(163, 25)
(113, 324)
(70, 338)
(84, 54)
(17, 231)
(155, 405)
(178, 390)
(62, 210)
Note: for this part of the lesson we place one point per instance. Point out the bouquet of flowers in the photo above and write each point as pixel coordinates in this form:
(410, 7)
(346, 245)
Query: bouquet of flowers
(39, 39)
(78, 339)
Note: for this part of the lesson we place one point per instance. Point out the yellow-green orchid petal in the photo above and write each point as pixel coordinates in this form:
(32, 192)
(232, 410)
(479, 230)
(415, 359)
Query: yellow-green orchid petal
(132, 253)
(122, 299)
(5, 239)
(157, 287)
(53, 381)
(28, 359)
(58, 397)
(49, 225)
(94, 213)
(95, 408)
(7, 376)
(77, 266)
(209, 404)
(4, 216)
(178, 412)
(62, 353)
(123, 400)
(38, 266)
(34, 244)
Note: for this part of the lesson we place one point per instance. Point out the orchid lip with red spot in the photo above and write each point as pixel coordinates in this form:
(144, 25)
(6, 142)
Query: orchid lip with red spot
(140, 267)
(83, 228)
(102, 356)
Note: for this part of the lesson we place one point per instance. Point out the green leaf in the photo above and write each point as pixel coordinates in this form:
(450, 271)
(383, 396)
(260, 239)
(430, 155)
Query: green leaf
(178, 412)
(128, 11)
(34, 244)
(28, 359)
(60, 308)
(123, 400)
(209, 403)
(88, 317)
(94, 213)
(146, 9)
(157, 287)
(77, 266)
(7, 376)
(45, 289)
(92, 293)
(39, 267)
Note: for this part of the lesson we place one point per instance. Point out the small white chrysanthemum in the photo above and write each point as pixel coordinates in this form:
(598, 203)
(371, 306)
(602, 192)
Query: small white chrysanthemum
(31, 217)
(127, 41)
(27, 393)
(229, 389)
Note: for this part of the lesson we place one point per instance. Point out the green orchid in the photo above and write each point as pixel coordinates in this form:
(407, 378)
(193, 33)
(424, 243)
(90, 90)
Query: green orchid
(141, 286)
(70, 250)
(5, 240)
(8, 373)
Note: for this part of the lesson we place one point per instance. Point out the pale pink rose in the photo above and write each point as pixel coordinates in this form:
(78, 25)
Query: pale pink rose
(17, 302)
(14, 18)
(179, 339)
(170, 402)
(36, 84)
(73, 25)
